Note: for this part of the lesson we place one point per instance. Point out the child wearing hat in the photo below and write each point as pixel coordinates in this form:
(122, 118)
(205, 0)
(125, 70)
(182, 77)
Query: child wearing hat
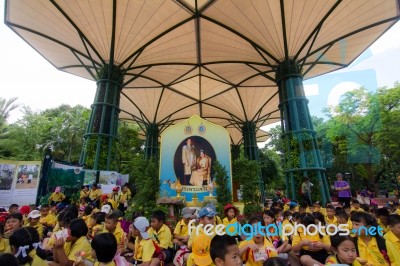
(144, 246)
(197, 236)
(25, 210)
(230, 213)
(181, 236)
(57, 196)
(34, 217)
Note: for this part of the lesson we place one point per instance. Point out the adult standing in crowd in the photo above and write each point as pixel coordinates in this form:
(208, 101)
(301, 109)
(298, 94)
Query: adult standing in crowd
(306, 190)
(343, 189)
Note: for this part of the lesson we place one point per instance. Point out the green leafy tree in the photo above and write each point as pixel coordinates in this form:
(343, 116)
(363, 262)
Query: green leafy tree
(246, 173)
(6, 106)
(148, 186)
(224, 194)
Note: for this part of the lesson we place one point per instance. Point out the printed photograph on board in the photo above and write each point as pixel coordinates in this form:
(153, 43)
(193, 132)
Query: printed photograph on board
(27, 176)
(193, 161)
(6, 176)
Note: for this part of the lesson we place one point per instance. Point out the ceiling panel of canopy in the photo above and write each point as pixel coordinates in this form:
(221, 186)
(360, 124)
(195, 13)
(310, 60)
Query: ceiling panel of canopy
(213, 58)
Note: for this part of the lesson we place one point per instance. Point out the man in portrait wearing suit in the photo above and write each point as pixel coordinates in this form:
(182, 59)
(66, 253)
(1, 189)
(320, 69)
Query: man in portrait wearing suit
(188, 161)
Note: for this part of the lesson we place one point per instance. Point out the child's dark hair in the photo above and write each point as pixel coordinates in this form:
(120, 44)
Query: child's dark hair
(8, 259)
(1, 229)
(159, 215)
(296, 215)
(88, 210)
(255, 219)
(330, 207)
(383, 212)
(275, 261)
(78, 228)
(346, 207)
(336, 240)
(319, 216)
(219, 246)
(286, 214)
(136, 215)
(26, 236)
(270, 213)
(363, 217)
(45, 206)
(66, 217)
(13, 206)
(307, 219)
(343, 215)
(355, 201)
(17, 216)
(105, 246)
(99, 217)
(113, 216)
(393, 219)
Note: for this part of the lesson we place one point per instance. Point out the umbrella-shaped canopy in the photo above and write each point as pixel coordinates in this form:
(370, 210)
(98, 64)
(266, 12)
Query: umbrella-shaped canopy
(213, 58)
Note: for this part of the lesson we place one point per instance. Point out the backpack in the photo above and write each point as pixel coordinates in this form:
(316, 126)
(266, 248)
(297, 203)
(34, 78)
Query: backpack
(381, 246)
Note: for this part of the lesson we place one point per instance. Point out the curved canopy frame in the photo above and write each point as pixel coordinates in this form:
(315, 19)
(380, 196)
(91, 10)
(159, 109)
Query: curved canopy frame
(213, 58)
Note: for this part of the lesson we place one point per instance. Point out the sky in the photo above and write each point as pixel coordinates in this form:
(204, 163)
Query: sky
(36, 83)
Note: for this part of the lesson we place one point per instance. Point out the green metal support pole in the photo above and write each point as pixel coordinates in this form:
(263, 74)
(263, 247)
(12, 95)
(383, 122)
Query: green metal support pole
(151, 147)
(302, 156)
(251, 150)
(101, 133)
(235, 152)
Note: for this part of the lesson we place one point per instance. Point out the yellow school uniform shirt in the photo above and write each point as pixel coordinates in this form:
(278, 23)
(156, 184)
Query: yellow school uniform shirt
(88, 220)
(124, 196)
(371, 252)
(331, 221)
(82, 244)
(36, 260)
(300, 236)
(385, 228)
(94, 194)
(163, 237)
(49, 219)
(320, 210)
(39, 228)
(389, 236)
(397, 211)
(333, 260)
(181, 229)
(57, 197)
(84, 194)
(226, 222)
(217, 220)
(4, 246)
(356, 210)
(119, 234)
(102, 264)
(144, 250)
(248, 256)
(97, 229)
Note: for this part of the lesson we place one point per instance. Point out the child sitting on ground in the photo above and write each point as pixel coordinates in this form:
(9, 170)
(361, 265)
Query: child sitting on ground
(113, 226)
(161, 234)
(181, 235)
(393, 235)
(224, 251)
(344, 251)
(230, 213)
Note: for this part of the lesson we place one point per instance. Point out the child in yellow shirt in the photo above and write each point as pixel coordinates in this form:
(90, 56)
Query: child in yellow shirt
(374, 249)
(34, 217)
(181, 236)
(144, 246)
(230, 213)
(313, 247)
(330, 217)
(25, 245)
(344, 251)
(46, 218)
(383, 215)
(4, 244)
(113, 226)
(57, 196)
(104, 251)
(256, 250)
(393, 235)
(224, 251)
